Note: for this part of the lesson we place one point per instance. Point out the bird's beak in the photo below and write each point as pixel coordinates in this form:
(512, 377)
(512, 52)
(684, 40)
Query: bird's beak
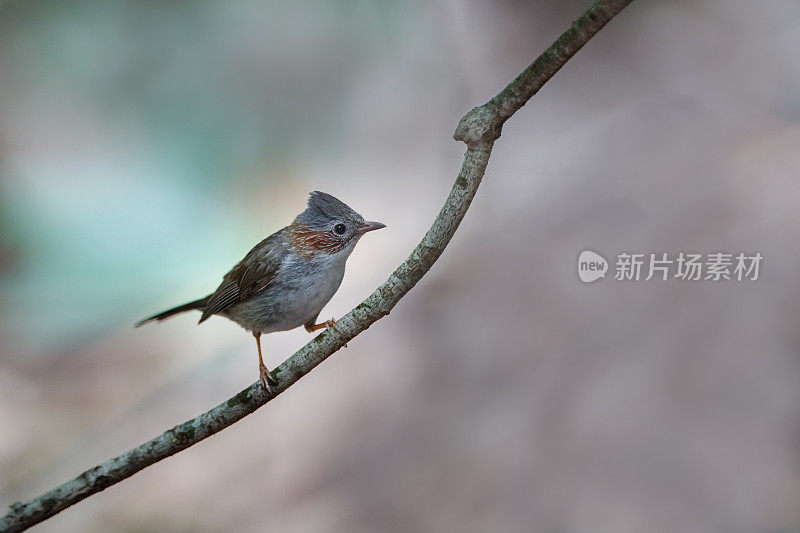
(370, 226)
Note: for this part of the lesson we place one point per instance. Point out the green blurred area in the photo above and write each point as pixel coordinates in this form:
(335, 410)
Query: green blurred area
(142, 140)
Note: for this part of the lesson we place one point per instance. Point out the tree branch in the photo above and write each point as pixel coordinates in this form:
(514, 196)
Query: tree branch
(478, 129)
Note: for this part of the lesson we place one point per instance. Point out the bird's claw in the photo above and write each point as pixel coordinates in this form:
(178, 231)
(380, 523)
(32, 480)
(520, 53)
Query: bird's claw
(266, 378)
(331, 324)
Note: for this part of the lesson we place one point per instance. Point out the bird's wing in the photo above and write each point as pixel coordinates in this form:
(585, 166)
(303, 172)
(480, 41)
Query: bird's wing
(253, 273)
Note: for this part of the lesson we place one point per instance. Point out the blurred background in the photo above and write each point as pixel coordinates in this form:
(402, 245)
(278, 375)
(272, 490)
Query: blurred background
(146, 146)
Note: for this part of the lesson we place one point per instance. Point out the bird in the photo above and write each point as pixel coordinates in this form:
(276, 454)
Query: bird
(285, 280)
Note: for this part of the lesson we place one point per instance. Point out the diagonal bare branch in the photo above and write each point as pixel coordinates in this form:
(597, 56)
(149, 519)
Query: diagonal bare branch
(478, 129)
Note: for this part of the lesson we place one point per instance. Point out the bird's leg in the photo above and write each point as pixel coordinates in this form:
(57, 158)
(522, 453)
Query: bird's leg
(328, 324)
(264, 375)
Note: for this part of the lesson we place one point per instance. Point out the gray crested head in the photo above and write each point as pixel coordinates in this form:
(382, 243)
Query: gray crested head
(328, 228)
(324, 209)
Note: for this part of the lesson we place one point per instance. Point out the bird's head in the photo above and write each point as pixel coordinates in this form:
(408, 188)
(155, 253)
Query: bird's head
(328, 226)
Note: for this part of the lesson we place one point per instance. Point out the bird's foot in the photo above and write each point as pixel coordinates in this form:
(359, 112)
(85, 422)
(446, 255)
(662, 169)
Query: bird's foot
(267, 379)
(328, 324)
(331, 324)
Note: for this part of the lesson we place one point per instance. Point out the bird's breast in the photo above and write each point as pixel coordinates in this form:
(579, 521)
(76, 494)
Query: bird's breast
(312, 287)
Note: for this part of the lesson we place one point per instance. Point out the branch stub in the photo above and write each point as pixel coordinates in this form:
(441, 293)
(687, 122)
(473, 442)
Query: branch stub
(480, 125)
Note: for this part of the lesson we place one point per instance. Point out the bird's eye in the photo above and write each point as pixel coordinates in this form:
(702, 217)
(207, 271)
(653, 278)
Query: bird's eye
(339, 229)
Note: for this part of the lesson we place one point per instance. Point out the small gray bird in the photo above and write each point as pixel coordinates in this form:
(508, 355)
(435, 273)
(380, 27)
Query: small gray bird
(286, 279)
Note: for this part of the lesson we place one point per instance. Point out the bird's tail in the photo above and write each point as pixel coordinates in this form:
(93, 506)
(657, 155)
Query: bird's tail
(197, 304)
